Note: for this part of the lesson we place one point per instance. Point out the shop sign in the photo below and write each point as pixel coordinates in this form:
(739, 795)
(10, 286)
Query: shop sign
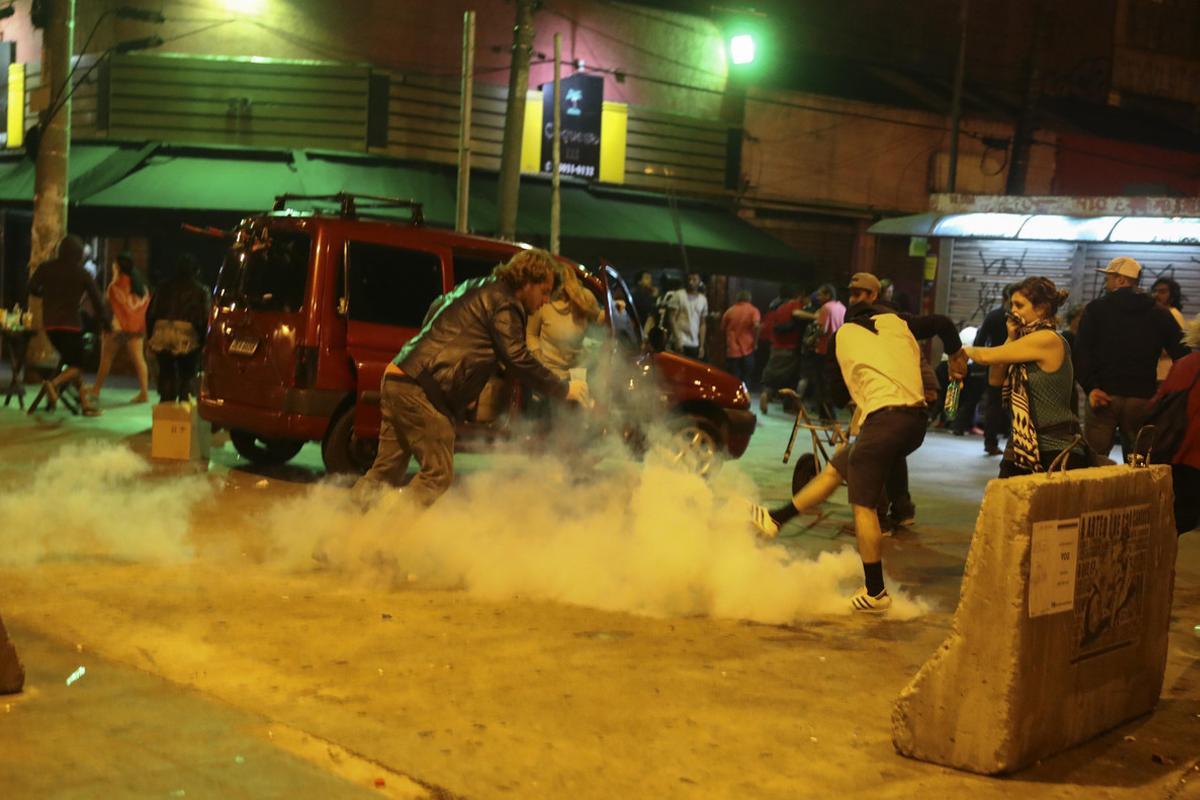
(582, 104)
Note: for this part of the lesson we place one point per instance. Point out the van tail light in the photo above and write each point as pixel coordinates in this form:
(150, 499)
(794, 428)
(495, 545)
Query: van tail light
(306, 366)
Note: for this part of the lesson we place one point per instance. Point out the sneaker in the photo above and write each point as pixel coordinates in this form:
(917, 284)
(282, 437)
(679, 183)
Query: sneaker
(861, 601)
(993, 450)
(903, 516)
(767, 527)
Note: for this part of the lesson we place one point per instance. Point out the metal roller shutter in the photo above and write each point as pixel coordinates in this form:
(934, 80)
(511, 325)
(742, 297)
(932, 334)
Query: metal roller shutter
(981, 268)
(1178, 261)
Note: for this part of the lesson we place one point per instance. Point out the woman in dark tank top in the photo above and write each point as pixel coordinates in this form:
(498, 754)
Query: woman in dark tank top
(1034, 366)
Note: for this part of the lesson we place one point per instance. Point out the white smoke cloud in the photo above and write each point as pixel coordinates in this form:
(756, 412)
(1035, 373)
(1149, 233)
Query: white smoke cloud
(641, 538)
(618, 534)
(98, 501)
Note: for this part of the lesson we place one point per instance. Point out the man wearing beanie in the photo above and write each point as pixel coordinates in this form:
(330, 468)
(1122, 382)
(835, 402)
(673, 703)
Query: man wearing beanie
(1120, 339)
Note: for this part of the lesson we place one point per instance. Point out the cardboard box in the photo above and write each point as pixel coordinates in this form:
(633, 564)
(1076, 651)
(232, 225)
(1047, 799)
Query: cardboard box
(179, 434)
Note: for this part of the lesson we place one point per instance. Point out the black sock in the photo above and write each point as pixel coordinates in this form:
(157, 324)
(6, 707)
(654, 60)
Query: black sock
(873, 572)
(783, 514)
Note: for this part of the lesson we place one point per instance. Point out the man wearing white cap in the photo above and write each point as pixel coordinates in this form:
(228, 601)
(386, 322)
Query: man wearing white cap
(1120, 339)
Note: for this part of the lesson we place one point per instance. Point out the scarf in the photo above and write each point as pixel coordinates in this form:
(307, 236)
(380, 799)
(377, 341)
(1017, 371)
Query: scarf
(1024, 441)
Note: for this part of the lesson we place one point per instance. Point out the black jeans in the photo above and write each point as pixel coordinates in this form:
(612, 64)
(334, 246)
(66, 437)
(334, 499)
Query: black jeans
(742, 367)
(177, 375)
(1187, 497)
(972, 391)
(995, 421)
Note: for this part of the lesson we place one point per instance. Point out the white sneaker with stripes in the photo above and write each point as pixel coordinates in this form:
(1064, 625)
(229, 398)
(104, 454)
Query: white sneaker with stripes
(761, 519)
(861, 601)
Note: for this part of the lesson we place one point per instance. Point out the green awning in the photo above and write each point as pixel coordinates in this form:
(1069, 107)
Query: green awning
(17, 170)
(186, 179)
(638, 227)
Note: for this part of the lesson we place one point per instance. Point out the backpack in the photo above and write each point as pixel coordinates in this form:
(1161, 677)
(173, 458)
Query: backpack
(1170, 420)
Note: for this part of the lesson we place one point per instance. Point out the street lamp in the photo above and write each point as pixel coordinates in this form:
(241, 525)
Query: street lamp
(741, 49)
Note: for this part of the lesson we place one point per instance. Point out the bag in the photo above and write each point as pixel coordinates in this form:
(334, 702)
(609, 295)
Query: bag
(1170, 420)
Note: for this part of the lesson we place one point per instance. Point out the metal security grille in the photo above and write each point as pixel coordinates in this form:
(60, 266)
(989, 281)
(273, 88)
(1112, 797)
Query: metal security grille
(1178, 261)
(981, 268)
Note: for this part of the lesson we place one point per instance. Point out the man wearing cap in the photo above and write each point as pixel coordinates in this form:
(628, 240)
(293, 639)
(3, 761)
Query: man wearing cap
(1120, 339)
(880, 363)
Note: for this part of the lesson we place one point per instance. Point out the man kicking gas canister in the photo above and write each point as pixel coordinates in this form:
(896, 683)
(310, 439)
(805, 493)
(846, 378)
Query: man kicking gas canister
(880, 363)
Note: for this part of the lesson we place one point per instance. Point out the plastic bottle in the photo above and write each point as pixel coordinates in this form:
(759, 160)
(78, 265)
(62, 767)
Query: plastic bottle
(953, 390)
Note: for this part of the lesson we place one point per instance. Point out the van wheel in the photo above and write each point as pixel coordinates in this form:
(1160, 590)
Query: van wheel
(258, 450)
(696, 442)
(342, 451)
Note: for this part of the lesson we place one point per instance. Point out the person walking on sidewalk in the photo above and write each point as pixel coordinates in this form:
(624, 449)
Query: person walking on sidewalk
(1120, 339)
(178, 317)
(740, 323)
(1185, 462)
(993, 332)
(129, 298)
(880, 362)
(688, 309)
(823, 325)
(61, 283)
(1169, 294)
(786, 335)
(427, 387)
(1034, 366)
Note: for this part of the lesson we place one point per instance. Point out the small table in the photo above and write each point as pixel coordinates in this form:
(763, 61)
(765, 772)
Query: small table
(16, 346)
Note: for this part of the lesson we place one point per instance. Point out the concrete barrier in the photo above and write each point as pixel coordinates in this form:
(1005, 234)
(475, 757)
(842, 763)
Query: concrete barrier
(1061, 627)
(12, 674)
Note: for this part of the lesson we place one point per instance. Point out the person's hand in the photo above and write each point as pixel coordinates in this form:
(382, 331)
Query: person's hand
(1098, 398)
(1014, 328)
(577, 392)
(957, 365)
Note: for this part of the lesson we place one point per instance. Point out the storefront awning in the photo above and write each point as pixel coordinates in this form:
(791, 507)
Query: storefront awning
(1045, 227)
(596, 221)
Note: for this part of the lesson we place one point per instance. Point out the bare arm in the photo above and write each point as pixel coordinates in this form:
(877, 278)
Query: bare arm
(1038, 346)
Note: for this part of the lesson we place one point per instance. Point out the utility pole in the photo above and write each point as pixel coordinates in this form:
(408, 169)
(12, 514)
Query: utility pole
(555, 152)
(464, 124)
(54, 146)
(956, 106)
(514, 121)
(1018, 170)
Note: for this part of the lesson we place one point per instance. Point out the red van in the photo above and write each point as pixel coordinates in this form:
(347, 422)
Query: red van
(310, 306)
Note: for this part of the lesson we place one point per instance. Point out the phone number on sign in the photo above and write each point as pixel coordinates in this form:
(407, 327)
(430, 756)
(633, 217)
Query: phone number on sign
(582, 170)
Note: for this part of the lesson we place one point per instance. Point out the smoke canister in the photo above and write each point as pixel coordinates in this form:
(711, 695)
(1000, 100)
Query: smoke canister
(953, 390)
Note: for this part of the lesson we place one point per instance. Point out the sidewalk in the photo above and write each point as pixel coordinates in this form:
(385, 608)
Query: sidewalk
(118, 732)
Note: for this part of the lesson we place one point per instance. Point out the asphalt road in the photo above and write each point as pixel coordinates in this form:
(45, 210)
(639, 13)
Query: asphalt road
(556, 629)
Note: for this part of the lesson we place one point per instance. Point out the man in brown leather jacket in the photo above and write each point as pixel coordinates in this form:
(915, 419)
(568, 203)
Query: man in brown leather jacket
(426, 389)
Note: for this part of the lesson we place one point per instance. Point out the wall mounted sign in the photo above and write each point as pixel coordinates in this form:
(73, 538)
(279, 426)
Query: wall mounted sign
(582, 104)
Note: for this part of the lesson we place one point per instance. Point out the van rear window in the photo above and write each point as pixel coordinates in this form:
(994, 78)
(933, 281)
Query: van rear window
(390, 285)
(268, 272)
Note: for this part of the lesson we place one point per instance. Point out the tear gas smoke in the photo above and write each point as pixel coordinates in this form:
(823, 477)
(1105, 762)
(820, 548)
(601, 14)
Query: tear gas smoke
(647, 539)
(565, 515)
(98, 501)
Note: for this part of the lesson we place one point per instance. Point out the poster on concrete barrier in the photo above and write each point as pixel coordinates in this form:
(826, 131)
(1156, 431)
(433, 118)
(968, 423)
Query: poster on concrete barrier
(1110, 580)
(1053, 559)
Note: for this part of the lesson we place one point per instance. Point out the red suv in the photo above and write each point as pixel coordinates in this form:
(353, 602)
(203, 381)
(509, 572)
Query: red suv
(311, 306)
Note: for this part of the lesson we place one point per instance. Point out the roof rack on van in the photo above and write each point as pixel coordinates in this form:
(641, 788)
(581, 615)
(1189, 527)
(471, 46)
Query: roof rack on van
(350, 205)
